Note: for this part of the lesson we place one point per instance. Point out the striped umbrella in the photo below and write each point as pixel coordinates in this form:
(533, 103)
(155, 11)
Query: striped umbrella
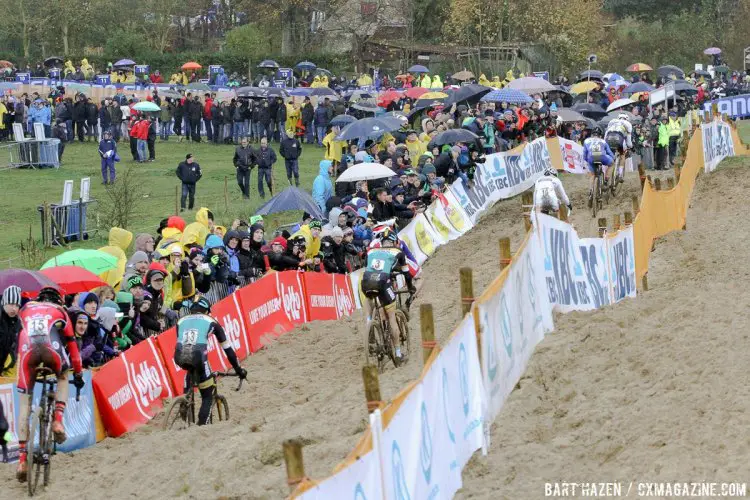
(508, 95)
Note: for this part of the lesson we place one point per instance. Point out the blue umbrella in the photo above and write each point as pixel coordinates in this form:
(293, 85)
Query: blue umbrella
(418, 68)
(511, 96)
(301, 91)
(125, 62)
(638, 87)
(292, 198)
(342, 120)
(306, 66)
(324, 92)
(268, 63)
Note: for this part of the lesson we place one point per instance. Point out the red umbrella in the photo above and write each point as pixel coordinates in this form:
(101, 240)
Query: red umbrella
(191, 65)
(388, 97)
(416, 92)
(73, 279)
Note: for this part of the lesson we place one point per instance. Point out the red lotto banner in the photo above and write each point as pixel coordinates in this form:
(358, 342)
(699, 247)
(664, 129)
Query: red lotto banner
(167, 341)
(329, 296)
(129, 390)
(273, 305)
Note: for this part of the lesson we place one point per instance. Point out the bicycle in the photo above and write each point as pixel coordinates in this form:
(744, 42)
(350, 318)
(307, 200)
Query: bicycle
(379, 345)
(41, 443)
(615, 179)
(599, 193)
(183, 409)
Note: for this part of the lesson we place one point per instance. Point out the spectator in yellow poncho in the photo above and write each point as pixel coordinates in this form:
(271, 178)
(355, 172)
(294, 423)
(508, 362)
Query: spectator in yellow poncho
(3, 110)
(483, 80)
(87, 69)
(292, 116)
(196, 232)
(414, 145)
(333, 147)
(324, 81)
(426, 81)
(436, 82)
(496, 82)
(509, 77)
(316, 82)
(130, 77)
(119, 241)
(364, 80)
(311, 234)
(68, 69)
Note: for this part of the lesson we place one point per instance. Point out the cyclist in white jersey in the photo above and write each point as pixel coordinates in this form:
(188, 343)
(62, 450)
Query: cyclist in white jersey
(549, 192)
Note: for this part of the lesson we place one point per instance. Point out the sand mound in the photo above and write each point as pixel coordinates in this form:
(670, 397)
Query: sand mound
(308, 384)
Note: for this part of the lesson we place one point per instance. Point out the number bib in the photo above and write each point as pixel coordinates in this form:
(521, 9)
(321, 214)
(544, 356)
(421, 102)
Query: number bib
(37, 326)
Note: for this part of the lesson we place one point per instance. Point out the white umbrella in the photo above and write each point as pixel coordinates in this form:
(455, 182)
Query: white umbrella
(365, 172)
(531, 85)
(619, 103)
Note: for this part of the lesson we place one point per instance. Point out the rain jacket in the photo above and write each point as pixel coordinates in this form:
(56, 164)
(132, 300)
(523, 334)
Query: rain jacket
(87, 69)
(426, 81)
(233, 253)
(312, 245)
(436, 82)
(663, 136)
(322, 187)
(483, 80)
(333, 220)
(119, 241)
(364, 80)
(416, 149)
(333, 148)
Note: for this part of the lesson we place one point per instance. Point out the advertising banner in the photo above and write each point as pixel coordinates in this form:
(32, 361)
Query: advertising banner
(273, 305)
(717, 143)
(736, 106)
(166, 342)
(572, 157)
(447, 218)
(328, 296)
(129, 389)
(421, 238)
(502, 175)
(361, 481)
(228, 312)
(514, 314)
(622, 264)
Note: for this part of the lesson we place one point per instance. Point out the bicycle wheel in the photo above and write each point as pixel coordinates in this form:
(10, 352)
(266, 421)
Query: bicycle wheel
(596, 195)
(387, 340)
(220, 409)
(374, 348)
(614, 183)
(178, 415)
(403, 325)
(35, 445)
(49, 442)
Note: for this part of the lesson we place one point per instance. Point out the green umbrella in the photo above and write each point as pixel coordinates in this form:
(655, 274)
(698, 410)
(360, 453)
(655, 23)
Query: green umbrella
(95, 261)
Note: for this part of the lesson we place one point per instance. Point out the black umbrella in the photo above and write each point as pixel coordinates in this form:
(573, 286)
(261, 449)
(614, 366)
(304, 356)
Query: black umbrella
(250, 92)
(683, 86)
(670, 70)
(292, 198)
(275, 92)
(471, 93)
(638, 87)
(268, 63)
(342, 120)
(367, 128)
(368, 107)
(590, 110)
(53, 61)
(591, 74)
(453, 136)
(324, 92)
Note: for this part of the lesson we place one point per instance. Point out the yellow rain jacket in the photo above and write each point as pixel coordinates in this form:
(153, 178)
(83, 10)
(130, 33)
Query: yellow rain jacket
(483, 80)
(130, 77)
(509, 77)
(292, 115)
(364, 80)
(426, 81)
(436, 82)
(674, 127)
(316, 82)
(3, 110)
(312, 245)
(333, 148)
(86, 68)
(496, 82)
(180, 287)
(119, 241)
(68, 69)
(416, 149)
(324, 81)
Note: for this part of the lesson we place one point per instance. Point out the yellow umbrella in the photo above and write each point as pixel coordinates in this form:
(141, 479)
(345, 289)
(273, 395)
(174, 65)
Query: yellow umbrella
(583, 87)
(434, 95)
(637, 96)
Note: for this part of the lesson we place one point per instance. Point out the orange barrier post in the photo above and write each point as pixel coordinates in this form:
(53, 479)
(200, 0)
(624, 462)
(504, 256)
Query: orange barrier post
(505, 255)
(295, 468)
(467, 289)
(427, 326)
(372, 387)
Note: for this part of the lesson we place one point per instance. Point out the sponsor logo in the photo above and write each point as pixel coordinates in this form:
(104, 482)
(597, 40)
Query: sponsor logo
(463, 373)
(147, 382)
(446, 394)
(265, 310)
(490, 343)
(505, 326)
(232, 329)
(425, 449)
(322, 301)
(344, 306)
(292, 302)
(119, 398)
(359, 492)
(400, 489)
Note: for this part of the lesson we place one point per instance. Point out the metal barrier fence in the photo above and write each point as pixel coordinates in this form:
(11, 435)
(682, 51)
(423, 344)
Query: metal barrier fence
(31, 153)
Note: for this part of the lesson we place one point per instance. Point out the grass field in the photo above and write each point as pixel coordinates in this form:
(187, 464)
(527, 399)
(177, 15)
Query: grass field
(23, 190)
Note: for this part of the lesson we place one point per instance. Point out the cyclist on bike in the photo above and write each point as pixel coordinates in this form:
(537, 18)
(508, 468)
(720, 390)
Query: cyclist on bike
(596, 150)
(191, 353)
(383, 262)
(619, 136)
(549, 192)
(46, 337)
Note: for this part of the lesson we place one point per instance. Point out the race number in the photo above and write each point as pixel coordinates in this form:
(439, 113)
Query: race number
(37, 326)
(190, 337)
(378, 264)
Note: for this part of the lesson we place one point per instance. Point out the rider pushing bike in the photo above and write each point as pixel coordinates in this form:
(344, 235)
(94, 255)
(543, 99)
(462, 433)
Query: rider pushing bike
(597, 150)
(191, 352)
(619, 136)
(46, 337)
(383, 262)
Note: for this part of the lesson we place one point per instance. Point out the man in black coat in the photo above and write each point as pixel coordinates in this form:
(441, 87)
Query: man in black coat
(196, 113)
(308, 114)
(92, 118)
(189, 173)
(79, 117)
(265, 157)
(244, 160)
(151, 140)
(280, 119)
(291, 149)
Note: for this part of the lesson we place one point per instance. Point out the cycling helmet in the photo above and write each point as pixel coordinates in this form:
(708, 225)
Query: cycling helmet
(597, 132)
(200, 305)
(378, 230)
(550, 171)
(389, 234)
(623, 116)
(49, 294)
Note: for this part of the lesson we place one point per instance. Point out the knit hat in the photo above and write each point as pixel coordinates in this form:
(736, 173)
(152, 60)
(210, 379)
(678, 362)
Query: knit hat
(255, 219)
(316, 224)
(336, 231)
(429, 169)
(12, 295)
(280, 240)
(348, 230)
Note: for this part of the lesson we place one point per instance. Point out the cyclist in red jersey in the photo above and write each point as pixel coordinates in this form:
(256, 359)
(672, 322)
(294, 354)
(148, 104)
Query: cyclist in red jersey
(47, 338)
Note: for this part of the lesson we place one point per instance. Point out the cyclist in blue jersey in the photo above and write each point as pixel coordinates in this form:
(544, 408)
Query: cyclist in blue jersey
(382, 264)
(191, 353)
(596, 150)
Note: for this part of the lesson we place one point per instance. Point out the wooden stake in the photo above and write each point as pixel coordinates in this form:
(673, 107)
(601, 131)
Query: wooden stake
(714, 110)
(670, 183)
(657, 184)
(427, 326)
(295, 468)
(645, 282)
(467, 289)
(505, 255)
(677, 172)
(177, 200)
(628, 219)
(636, 205)
(564, 213)
(642, 174)
(616, 222)
(372, 387)
(527, 200)
(602, 226)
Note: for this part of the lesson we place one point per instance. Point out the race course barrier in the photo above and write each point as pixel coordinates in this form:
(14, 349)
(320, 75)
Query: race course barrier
(418, 444)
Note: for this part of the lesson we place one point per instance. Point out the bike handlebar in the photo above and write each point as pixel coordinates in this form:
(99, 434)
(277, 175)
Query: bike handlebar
(230, 374)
